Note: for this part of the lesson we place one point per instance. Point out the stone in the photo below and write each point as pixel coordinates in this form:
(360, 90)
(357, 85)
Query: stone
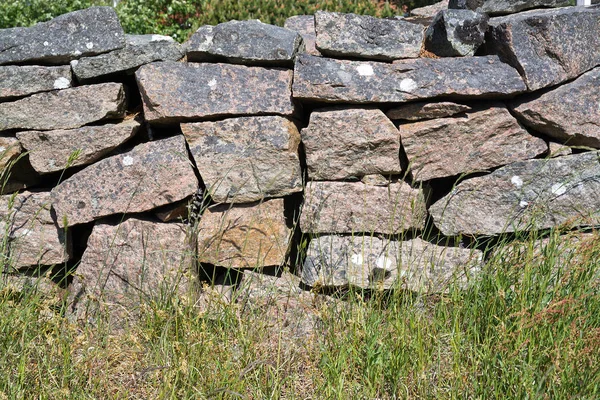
(51, 151)
(425, 110)
(139, 50)
(176, 92)
(174, 212)
(557, 150)
(10, 150)
(244, 42)
(242, 160)
(456, 33)
(476, 141)
(351, 207)
(569, 113)
(26, 286)
(431, 10)
(526, 195)
(349, 143)
(500, 7)
(548, 47)
(17, 174)
(150, 175)
(82, 33)
(19, 81)
(305, 26)
(370, 262)
(128, 265)
(341, 81)
(65, 109)
(251, 235)
(364, 36)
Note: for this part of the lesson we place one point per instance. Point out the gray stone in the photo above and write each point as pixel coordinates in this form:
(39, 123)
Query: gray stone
(19, 81)
(340, 81)
(64, 109)
(150, 175)
(364, 36)
(350, 142)
(305, 26)
(175, 92)
(88, 32)
(500, 7)
(456, 33)
(139, 50)
(352, 207)
(244, 42)
(51, 151)
(548, 46)
(477, 141)
(246, 159)
(424, 110)
(431, 10)
(526, 195)
(10, 150)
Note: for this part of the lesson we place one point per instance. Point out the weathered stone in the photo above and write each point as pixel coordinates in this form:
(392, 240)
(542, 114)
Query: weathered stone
(351, 207)
(244, 236)
(425, 110)
(244, 42)
(534, 194)
(557, 149)
(51, 151)
(64, 109)
(352, 142)
(477, 141)
(139, 50)
(150, 175)
(341, 81)
(431, 10)
(569, 113)
(370, 262)
(41, 287)
(548, 46)
(456, 33)
(10, 149)
(364, 36)
(77, 34)
(175, 92)
(18, 81)
(129, 265)
(305, 26)
(499, 7)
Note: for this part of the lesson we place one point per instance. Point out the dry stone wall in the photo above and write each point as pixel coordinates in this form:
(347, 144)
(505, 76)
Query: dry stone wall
(355, 151)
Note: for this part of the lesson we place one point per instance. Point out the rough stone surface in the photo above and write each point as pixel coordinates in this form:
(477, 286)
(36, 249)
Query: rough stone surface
(51, 151)
(364, 36)
(424, 110)
(174, 92)
(456, 33)
(345, 143)
(351, 207)
(569, 113)
(479, 140)
(77, 34)
(500, 7)
(534, 194)
(244, 236)
(41, 287)
(10, 149)
(557, 149)
(244, 42)
(430, 11)
(370, 262)
(64, 109)
(139, 50)
(246, 159)
(150, 175)
(548, 46)
(340, 81)
(305, 26)
(19, 81)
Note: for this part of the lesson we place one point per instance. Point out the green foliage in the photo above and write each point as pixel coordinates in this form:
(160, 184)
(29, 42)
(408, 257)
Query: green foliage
(29, 12)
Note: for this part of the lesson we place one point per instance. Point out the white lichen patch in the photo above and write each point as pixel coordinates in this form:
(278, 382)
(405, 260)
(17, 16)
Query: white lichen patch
(384, 263)
(46, 44)
(212, 83)
(127, 160)
(408, 85)
(523, 204)
(76, 53)
(74, 63)
(365, 70)
(161, 38)
(558, 189)
(89, 45)
(2, 149)
(517, 181)
(357, 259)
(62, 83)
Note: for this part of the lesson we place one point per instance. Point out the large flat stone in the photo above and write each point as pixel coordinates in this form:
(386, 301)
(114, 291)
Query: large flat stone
(305, 26)
(340, 81)
(246, 159)
(350, 142)
(150, 175)
(477, 141)
(425, 110)
(175, 92)
(548, 46)
(88, 32)
(500, 7)
(534, 194)
(64, 109)
(19, 81)
(456, 33)
(352, 207)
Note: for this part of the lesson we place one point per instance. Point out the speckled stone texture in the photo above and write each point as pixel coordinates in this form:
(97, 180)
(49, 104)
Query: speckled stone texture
(534, 194)
(305, 26)
(10, 149)
(340, 81)
(244, 236)
(88, 32)
(176, 92)
(64, 109)
(352, 207)
(350, 142)
(150, 175)
(501, 7)
(421, 110)
(429, 11)
(476, 141)
(548, 46)
(19, 81)
(246, 159)
(456, 33)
